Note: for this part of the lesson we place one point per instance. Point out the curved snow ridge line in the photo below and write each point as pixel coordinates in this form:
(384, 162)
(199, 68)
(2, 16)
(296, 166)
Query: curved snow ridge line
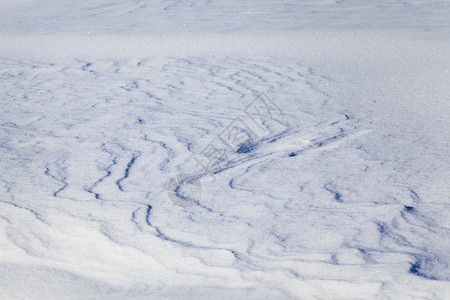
(161, 235)
(34, 213)
(325, 141)
(127, 171)
(428, 259)
(108, 172)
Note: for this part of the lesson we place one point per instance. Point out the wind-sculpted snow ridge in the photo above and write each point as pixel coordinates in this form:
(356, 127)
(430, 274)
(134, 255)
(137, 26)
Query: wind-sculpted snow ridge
(90, 149)
(224, 150)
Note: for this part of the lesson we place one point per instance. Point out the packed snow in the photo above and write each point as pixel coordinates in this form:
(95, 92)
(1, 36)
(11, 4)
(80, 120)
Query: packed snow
(224, 149)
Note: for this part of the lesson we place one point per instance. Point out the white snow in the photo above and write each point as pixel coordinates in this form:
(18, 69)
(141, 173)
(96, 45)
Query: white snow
(342, 193)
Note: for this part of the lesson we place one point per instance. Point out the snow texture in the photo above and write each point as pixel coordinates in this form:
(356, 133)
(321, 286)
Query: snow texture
(224, 149)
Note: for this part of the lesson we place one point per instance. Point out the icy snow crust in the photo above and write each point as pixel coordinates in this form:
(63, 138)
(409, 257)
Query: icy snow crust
(342, 193)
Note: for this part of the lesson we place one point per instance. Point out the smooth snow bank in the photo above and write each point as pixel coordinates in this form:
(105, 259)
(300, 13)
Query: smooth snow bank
(161, 17)
(351, 46)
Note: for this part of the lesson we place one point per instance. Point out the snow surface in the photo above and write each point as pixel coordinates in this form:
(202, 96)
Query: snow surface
(340, 193)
